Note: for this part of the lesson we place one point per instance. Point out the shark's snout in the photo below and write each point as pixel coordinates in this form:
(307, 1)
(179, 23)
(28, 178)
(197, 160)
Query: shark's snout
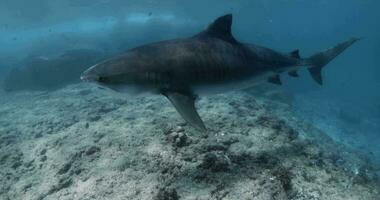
(89, 78)
(90, 75)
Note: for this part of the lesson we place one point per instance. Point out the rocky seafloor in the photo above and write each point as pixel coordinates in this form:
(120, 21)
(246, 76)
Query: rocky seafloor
(81, 142)
(357, 126)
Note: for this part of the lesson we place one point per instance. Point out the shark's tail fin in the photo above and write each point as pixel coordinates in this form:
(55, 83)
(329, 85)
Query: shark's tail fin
(319, 60)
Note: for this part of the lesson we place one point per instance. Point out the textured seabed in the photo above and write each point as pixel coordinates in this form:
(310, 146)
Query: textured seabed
(81, 142)
(352, 125)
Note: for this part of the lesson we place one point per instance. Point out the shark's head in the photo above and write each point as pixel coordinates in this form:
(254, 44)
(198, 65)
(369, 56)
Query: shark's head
(91, 75)
(119, 74)
(109, 72)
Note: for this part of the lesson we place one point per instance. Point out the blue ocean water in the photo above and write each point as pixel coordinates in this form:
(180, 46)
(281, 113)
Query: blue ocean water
(48, 28)
(76, 34)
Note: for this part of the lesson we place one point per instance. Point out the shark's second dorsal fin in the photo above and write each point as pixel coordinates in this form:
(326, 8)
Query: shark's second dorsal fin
(220, 28)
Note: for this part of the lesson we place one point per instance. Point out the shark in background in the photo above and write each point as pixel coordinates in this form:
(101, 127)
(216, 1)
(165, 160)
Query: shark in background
(210, 62)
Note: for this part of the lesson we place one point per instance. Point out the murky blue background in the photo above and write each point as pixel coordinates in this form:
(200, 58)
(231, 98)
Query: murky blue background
(347, 107)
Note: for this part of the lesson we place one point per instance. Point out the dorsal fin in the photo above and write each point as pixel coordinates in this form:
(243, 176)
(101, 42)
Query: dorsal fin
(220, 28)
(295, 54)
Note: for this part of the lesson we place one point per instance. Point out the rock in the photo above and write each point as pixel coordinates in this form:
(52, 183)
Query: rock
(78, 171)
(94, 118)
(266, 160)
(363, 175)
(179, 139)
(16, 164)
(230, 140)
(38, 135)
(29, 164)
(62, 183)
(214, 146)
(65, 168)
(121, 163)
(27, 187)
(284, 176)
(167, 194)
(179, 129)
(238, 153)
(135, 160)
(91, 150)
(84, 92)
(215, 161)
(4, 158)
(44, 158)
(43, 152)
(8, 140)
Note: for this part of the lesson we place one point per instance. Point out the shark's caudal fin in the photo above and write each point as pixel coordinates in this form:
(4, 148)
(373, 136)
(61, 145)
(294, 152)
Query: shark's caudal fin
(319, 60)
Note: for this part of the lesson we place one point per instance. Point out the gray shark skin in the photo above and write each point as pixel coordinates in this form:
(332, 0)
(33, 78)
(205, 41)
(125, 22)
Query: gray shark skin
(210, 62)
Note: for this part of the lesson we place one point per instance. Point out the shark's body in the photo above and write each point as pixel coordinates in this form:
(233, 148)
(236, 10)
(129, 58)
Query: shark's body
(212, 61)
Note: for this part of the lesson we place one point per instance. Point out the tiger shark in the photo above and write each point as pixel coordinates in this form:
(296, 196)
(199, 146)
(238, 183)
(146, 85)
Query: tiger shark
(210, 62)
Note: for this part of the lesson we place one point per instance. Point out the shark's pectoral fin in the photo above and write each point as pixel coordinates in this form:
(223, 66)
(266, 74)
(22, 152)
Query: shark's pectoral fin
(275, 80)
(316, 74)
(185, 105)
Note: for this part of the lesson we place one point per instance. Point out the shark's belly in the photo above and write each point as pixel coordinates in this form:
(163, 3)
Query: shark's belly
(227, 86)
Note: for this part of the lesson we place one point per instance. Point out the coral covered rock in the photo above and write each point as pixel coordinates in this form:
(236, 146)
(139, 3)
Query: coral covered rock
(51, 148)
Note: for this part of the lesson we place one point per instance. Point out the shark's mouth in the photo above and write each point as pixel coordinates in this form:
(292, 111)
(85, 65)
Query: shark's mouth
(90, 78)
